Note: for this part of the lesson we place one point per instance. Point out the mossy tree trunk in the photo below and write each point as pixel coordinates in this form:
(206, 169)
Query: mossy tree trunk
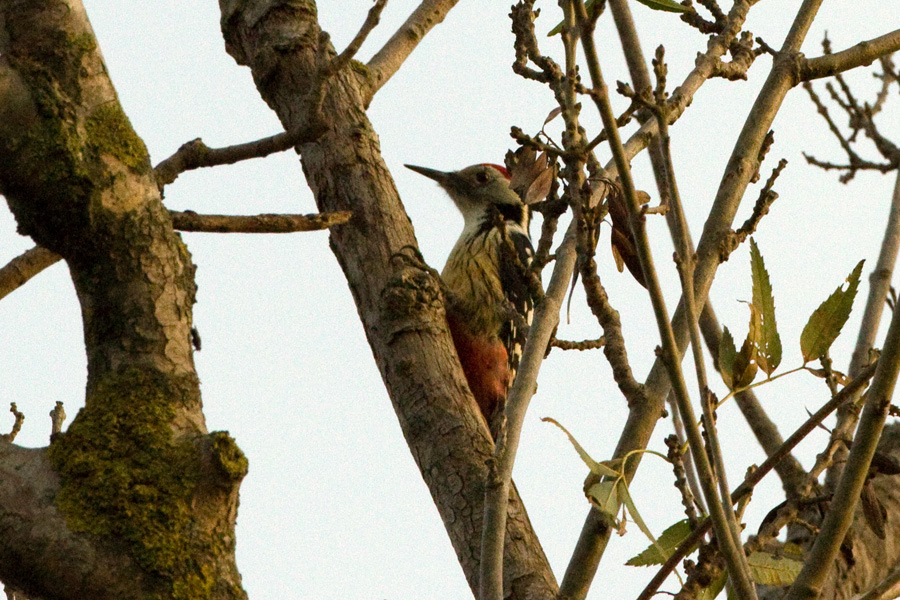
(136, 499)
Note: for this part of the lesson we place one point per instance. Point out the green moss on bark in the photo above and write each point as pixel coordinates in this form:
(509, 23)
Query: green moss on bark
(110, 132)
(230, 460)
(125, 476)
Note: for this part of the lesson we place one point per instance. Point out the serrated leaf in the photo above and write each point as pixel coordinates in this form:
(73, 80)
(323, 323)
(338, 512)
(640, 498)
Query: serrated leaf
(670, 539)
(594, 466)
(727, 354)
(825, 323)
(769, 343)
(605, 497)
(665, 5)
(768, 569)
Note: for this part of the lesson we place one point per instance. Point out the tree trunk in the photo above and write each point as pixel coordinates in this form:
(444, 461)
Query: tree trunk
(399, 302)
(136, 499)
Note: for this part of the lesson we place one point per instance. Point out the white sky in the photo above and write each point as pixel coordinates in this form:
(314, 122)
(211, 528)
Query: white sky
(334, 506)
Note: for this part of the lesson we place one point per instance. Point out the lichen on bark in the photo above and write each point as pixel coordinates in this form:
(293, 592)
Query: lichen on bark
(126, 477)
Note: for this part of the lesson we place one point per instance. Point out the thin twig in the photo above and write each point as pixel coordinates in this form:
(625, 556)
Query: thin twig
(767, 197)
(608, 317)
(546, 318)
(582, 345)
(724, 522)
(57, 418)
(195, 154)
(791, 472)
(676, 457)
(642, 417)
(17, 424)
(25, 266)
(343, 59)
(741, 167)
(498, 480)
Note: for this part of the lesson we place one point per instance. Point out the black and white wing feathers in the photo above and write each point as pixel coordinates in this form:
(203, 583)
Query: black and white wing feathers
(514, 281)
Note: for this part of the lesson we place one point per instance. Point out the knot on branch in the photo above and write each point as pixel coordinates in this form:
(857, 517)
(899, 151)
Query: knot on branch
(229, 462)
(413, 298)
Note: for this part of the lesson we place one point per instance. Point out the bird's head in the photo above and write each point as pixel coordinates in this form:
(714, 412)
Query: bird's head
(476, 189)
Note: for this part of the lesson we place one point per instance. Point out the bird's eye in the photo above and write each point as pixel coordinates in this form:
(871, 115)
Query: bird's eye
(481, 177)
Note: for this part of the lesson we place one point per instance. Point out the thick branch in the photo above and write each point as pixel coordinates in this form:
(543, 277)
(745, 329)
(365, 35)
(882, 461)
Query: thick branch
(863, 53)
(78, 180)
(388, 60)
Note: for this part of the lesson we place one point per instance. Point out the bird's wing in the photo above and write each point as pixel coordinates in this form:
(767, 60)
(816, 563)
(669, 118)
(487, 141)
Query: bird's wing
(515, 286)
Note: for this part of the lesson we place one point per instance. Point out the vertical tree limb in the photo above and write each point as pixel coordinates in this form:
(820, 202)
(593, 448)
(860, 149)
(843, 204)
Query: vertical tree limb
(400, 305)
(818, 564)
(879, 284)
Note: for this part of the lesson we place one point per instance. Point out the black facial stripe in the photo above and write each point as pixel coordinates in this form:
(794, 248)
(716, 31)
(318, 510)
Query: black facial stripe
(511, 212)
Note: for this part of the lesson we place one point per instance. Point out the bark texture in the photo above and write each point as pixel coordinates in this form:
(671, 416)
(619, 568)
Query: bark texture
(136, 499)
(399, 302)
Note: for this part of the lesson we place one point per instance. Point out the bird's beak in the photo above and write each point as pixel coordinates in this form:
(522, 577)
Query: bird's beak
(439, 176)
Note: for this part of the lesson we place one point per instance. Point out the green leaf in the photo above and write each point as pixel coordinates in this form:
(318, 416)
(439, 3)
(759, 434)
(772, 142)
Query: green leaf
(768, 343)
(594, 466)
(665, 5)
(727, 354)
(715, 588)
(658, 553)
(636, 516)
(768, 569)
(825, 323)
(605, 497)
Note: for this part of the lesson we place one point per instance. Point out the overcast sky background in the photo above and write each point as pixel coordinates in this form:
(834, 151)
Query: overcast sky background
(333, 506)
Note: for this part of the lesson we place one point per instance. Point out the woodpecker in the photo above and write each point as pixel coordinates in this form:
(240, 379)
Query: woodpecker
(489, 303)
